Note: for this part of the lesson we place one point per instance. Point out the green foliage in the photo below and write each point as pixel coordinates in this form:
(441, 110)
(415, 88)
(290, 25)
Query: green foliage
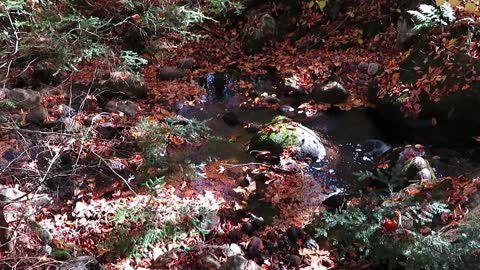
(155, 137)
(428, 16)
(221, 6)
(132, 61)
(361, 230)
(8, 104)
(138, 230)
(319, 3)
(57, 33)
(155, 183)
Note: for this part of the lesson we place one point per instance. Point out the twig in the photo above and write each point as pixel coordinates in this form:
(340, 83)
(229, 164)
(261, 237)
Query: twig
(39, 132)
(117, 174)
(245, 164)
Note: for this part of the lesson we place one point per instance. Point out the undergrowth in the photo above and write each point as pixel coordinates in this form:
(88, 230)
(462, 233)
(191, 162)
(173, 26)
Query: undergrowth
(398, 231)
(64, 33)
(139, 229)
(155, 137)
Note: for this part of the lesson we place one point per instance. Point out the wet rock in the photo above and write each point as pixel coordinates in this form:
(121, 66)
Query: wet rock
(255, 247)
(82, 263)
(290, 87)
(37, 115)
(374, 68)
(337, 201)
(286, 110)
(294, 233)
(284, 242)
(128, 107)
(179, 106)
(282, 133)
(330, 93)
(406, 164)
(171, 73)
(294, 260)
(272, 99)
(239, 263)
(185, 63)
(264, 34)
(362, 66)
(25, 98)
(231, 119)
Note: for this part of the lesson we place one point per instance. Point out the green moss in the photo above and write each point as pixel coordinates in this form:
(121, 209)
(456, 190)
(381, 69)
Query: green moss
(280, 133)
(60, 254)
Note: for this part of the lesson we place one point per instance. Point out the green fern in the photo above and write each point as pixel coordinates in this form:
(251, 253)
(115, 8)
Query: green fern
(428, 16)
(8, 104)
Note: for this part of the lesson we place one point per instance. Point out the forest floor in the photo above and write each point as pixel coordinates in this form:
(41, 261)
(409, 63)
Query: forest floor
(99, 195)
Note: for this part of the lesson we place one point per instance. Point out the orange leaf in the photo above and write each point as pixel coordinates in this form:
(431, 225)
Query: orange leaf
(176, 140)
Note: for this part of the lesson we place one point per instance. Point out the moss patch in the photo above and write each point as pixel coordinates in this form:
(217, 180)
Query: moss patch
(280, 133)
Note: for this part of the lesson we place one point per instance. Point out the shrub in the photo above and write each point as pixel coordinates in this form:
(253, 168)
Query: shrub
(139, 229)
(398, 231)
(154, 137)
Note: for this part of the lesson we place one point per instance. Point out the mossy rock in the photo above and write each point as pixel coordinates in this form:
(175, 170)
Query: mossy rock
(60, 254)
(282, 133)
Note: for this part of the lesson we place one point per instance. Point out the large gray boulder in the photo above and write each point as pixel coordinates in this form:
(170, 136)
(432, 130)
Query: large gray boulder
(282, 133)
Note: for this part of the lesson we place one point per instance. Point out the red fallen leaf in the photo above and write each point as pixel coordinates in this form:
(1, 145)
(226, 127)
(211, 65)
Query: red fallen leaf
(389, 225)
(136, 18)
(176, 140)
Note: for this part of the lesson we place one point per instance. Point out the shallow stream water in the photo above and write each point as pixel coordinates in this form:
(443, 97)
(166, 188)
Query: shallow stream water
(353, 138)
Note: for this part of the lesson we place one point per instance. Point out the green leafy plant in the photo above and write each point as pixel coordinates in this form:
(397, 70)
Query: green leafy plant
(132, 62)
(429, 16)
(222, 6)
(8, 104)
(155, 137)
(154, 184)
(398, 233)
(138, 230)
(319, 3)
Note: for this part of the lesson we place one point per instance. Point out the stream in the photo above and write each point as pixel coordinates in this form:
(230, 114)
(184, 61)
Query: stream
(354, 139)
